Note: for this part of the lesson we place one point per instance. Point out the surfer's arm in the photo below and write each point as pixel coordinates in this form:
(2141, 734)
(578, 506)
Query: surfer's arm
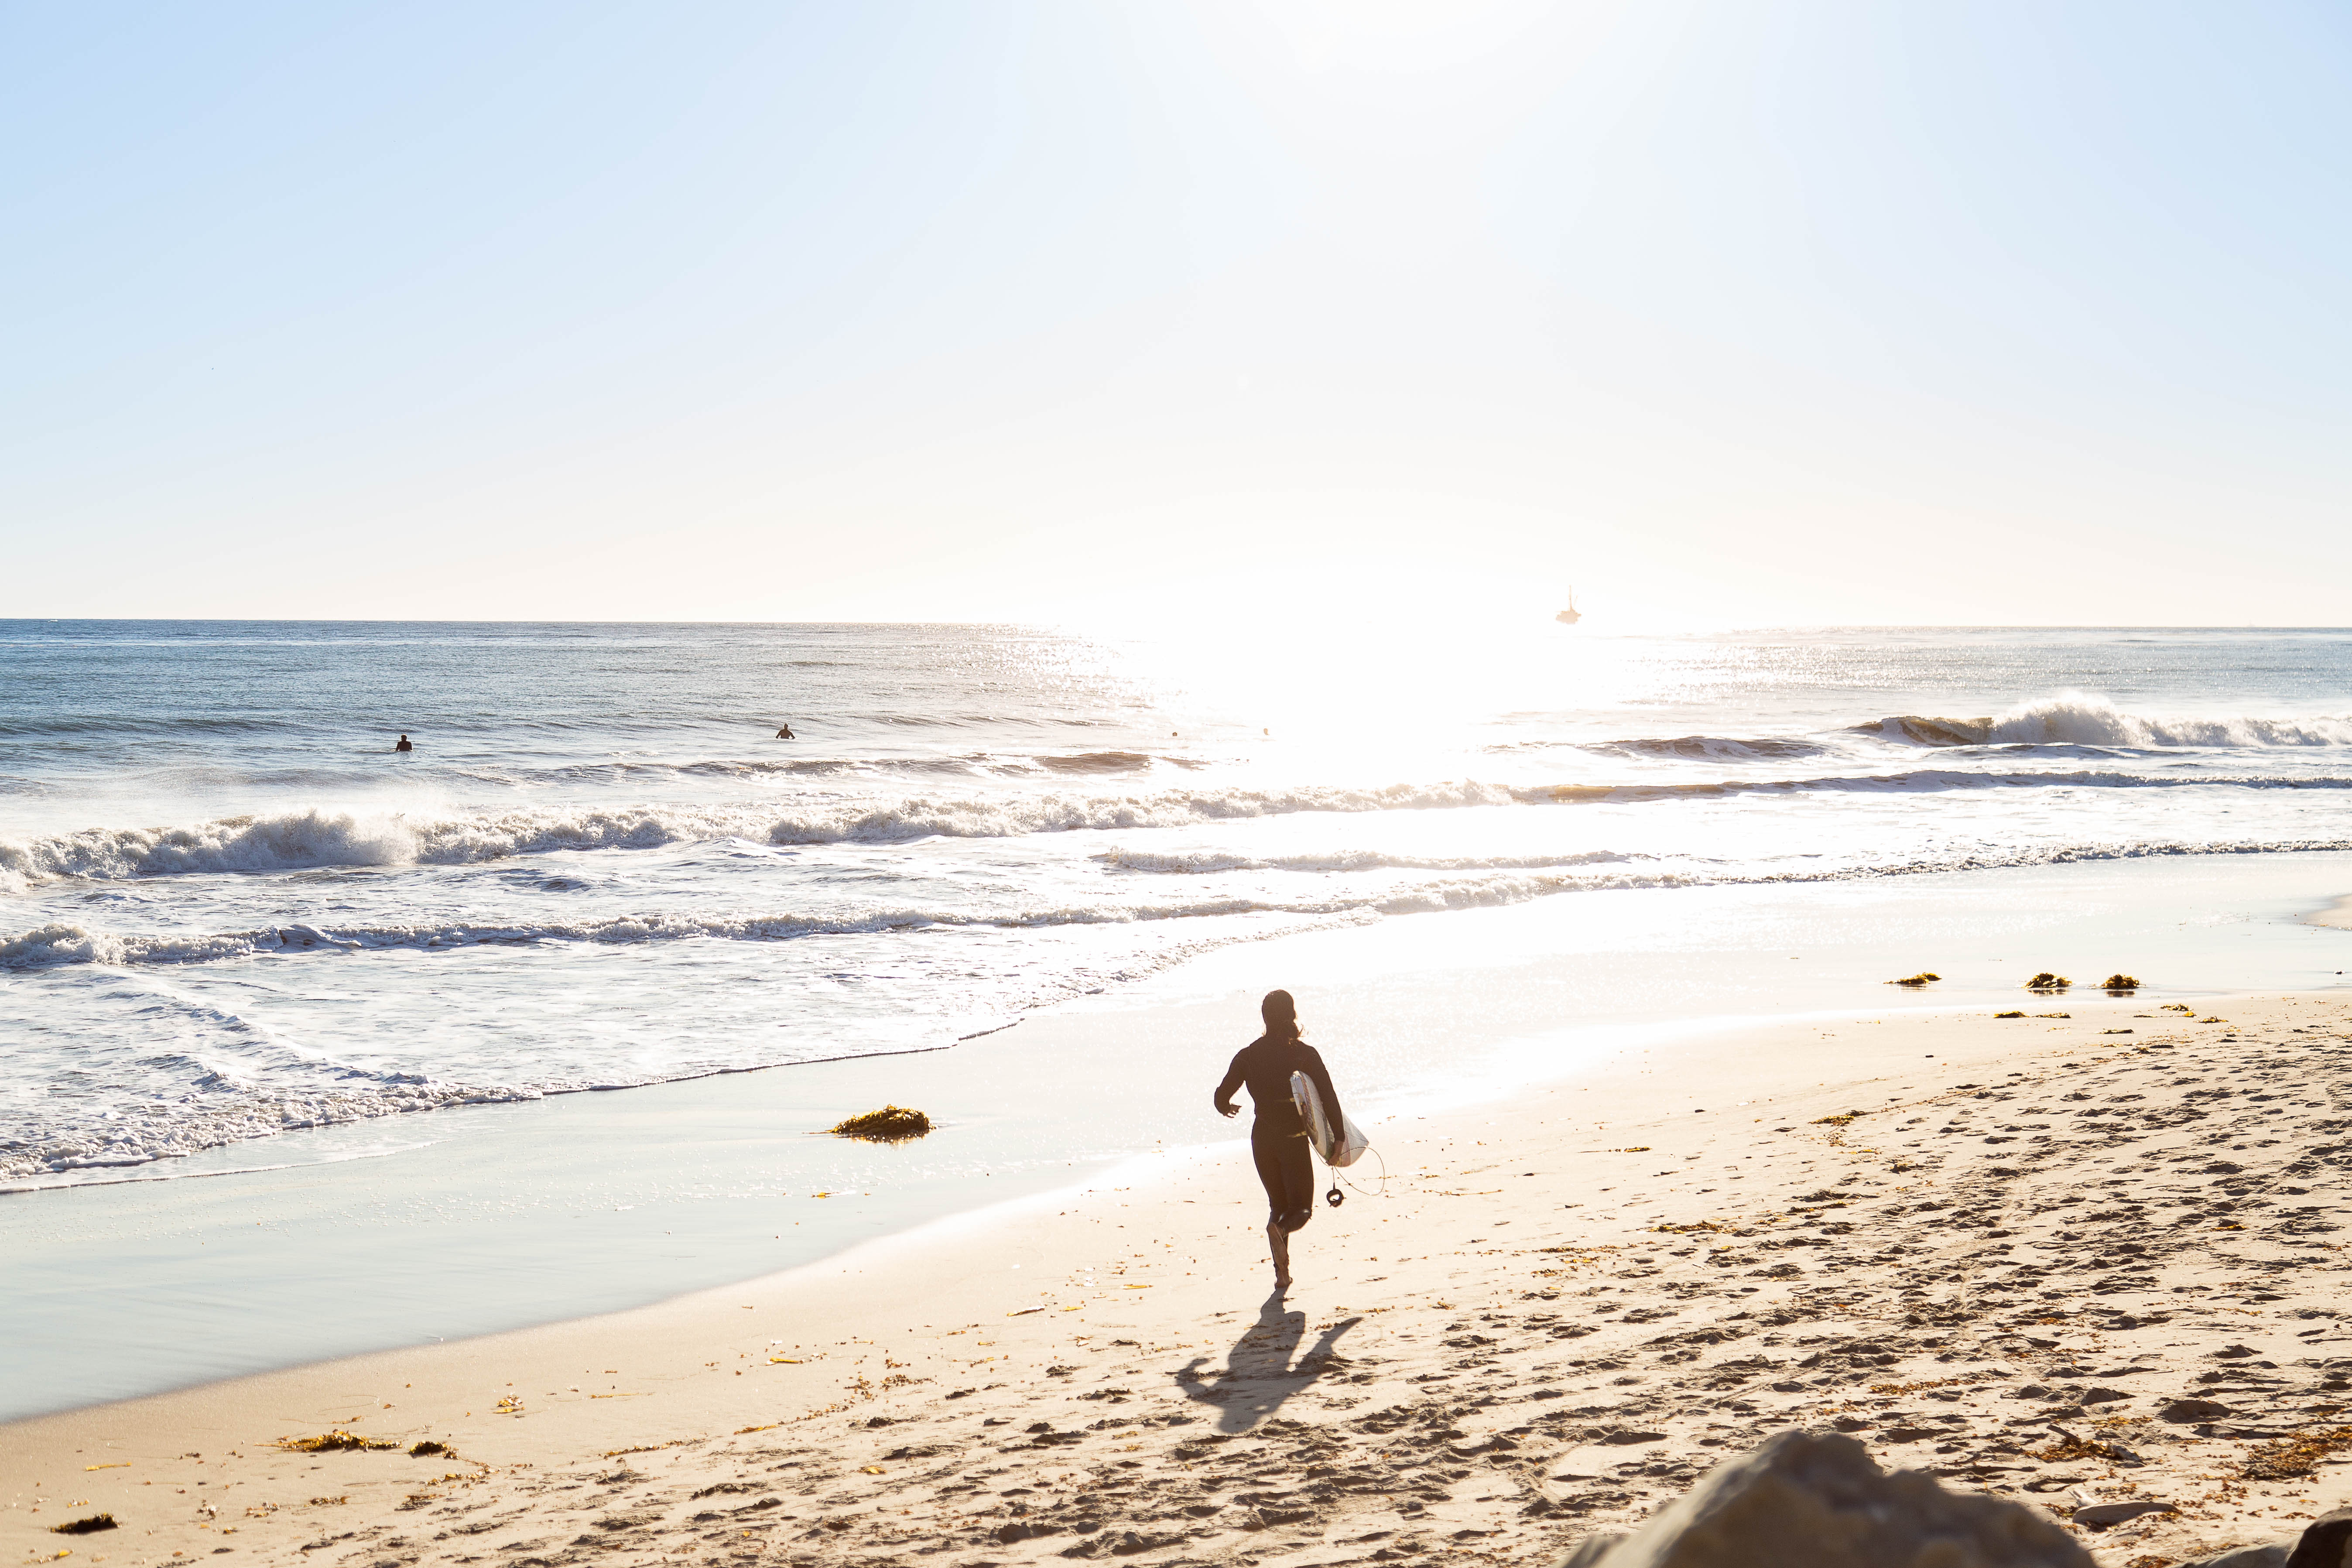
(1224, 1096)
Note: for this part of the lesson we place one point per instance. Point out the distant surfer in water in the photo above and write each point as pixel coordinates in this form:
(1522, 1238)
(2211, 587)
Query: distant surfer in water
(403, 745)
(1277, 1137)
(787, 733)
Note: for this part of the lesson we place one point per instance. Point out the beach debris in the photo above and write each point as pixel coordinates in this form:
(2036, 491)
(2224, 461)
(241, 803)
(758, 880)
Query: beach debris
(891, 1124)
(2119, 982)
(429, 1449)
(2045, 981)
(335, 1442)
(1807, 1499)
(2071, 1446)
(2177, 1007)
(96, 1521)
(2293, 1456)
(1838, 1120)
(1923, 977)
(508, 1405)
(2010, 1015)
(2103, 1515)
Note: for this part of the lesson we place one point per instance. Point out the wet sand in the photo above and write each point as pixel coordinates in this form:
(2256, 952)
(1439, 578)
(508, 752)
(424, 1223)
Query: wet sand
(2008, 1251)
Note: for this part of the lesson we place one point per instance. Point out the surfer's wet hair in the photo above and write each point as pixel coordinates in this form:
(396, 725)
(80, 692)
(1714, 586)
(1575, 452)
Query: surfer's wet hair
(1281, 1015)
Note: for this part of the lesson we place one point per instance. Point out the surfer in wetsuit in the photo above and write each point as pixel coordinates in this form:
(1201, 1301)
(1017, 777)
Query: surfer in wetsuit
(787, 733)
(1278, 1141)
(403, 745)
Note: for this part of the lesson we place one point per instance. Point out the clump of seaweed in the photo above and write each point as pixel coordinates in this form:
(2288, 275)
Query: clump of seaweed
(1921, 978)
(2045, 981)
(2119, 982)
(334, 1442)
(2177, 1007)
(2295, 1455)
(2008, 1014)
(891, 1124)
(2070, 1446)
(429, 1449)
(94, 1523)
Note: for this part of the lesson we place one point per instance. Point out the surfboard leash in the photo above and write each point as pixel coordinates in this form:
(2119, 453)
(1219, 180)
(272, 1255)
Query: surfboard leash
(1335, 1197)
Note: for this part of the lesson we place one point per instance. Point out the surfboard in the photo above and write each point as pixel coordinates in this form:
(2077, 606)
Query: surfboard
(1343, 1147)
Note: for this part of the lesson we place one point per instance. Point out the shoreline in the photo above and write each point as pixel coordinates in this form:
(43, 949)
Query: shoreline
(508, 1215)
(1717, 1191)
(2336, 915)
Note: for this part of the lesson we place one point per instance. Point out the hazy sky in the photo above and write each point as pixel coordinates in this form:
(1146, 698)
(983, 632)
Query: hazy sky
(1760, 311)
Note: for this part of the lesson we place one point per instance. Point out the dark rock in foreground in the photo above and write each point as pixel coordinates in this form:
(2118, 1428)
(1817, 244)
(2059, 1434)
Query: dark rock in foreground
(2244, 1557)
(1808, 1499)
(2326, 1542)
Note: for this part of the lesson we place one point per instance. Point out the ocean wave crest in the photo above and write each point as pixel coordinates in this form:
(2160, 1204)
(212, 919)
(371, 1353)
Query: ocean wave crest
(315, 839)
(1504, 882)
(2078, 719)
(67, 943)
(311, 839)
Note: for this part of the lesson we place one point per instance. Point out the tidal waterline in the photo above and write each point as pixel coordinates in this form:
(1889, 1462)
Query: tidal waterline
(451, 1223)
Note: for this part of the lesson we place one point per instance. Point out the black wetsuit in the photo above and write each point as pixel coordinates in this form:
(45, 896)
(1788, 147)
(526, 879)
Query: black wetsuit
(1278, 1138)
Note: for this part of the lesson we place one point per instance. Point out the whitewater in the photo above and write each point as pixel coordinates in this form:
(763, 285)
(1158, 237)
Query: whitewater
(229, 912)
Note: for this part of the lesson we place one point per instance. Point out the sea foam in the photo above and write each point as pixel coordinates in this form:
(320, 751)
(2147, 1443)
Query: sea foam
(314, 838)
(2080, 719)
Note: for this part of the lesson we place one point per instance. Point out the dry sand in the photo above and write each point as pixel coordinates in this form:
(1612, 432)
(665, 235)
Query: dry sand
(2003, 1251)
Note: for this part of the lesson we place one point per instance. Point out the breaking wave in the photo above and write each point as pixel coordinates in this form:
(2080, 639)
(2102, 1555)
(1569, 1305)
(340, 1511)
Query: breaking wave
(312, 839)
(67, 942)
(2075, 718)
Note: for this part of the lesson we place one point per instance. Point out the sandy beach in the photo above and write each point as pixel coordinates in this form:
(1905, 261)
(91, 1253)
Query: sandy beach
(597, 595)
(2084, 1256)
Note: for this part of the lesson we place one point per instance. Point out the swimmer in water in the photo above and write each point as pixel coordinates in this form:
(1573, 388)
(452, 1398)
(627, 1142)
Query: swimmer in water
(403, 745)
(787, 733)
(1278, 1140)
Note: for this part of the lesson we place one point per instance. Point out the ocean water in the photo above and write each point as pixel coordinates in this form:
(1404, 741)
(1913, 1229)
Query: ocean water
(229, 911)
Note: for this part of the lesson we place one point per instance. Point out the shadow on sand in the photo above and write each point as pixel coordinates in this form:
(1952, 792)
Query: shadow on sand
(1260, 1373)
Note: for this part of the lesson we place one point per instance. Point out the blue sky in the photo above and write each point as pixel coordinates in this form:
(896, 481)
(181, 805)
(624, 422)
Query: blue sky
(1798, 311)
